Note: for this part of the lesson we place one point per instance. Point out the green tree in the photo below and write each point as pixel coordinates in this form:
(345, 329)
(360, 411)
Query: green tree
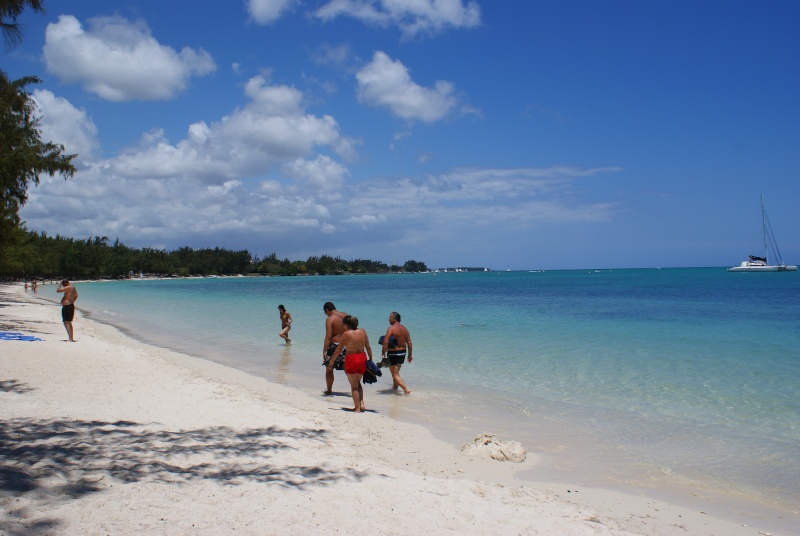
(23, 155)
(9, 11)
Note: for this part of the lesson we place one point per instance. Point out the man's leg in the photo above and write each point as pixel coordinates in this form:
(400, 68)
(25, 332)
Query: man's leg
(355, 391)
(397, 380)
(329, 379)
(68, 326)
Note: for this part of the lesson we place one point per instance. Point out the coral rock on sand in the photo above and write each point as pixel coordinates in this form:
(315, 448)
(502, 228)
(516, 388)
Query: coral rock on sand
(487, 446)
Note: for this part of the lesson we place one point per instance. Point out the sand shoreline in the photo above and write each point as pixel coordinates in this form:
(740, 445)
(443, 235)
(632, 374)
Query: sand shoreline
(113, 436)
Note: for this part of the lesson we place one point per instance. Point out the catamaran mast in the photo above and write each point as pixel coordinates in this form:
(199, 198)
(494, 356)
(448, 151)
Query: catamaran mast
(764, 228)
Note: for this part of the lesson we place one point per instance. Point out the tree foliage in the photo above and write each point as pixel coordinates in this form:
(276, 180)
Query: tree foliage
(34, 254)
(23, 154)
(9, 11)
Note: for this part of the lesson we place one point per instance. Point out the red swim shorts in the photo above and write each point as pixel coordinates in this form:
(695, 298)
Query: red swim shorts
(355, 363)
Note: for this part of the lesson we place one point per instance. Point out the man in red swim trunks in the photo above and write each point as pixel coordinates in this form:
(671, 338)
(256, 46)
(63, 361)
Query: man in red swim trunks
(355, 342)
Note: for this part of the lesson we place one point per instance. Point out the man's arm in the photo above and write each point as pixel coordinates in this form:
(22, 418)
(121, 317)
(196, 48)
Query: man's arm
(328, 336)
(410, 351)
(367, 346)
(386, 341)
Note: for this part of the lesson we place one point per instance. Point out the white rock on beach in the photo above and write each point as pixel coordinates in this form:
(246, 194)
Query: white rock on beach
(487, 446)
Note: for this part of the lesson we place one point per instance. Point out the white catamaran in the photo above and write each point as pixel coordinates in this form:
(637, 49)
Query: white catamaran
(756, 263)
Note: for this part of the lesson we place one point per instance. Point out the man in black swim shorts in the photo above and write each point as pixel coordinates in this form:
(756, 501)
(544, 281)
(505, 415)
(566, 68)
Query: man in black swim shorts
(395, 344)
(67, 313)
(396, 357)
(334, 327)
(68, 306)
(329, 353)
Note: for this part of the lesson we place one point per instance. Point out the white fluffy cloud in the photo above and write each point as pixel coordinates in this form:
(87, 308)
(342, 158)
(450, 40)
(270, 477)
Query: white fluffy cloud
(256, 170)
(119, 60)
(269, 175)
(322, 172)
(268, 11)
(386, 83)
(68, 125)
(271, 129)
(412, 17)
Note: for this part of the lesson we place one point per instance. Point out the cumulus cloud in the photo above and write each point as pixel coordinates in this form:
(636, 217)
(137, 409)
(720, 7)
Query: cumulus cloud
(268, 11)
(322, 172)
(387, 84)
(255, 171)
(271, 128)
(263, 178)
(412, 17)
(65, 124)
(119, 60)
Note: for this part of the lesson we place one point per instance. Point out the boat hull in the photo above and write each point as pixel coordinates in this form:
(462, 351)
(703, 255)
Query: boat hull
(781, 268)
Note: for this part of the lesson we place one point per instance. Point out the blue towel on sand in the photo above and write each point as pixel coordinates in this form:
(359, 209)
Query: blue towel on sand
(16, 336)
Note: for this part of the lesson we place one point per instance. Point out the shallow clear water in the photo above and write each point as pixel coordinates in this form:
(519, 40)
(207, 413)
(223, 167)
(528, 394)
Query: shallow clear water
(676, 376)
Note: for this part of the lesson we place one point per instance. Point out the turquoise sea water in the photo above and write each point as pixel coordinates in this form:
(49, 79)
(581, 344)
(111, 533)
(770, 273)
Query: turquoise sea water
(680, 379)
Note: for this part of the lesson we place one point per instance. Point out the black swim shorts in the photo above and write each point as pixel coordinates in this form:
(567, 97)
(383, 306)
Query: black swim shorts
(396, 357)
(329, 353)
(67, 312)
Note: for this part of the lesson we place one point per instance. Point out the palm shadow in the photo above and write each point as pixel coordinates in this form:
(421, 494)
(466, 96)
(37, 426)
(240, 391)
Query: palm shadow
(55, 460)
(14, 386)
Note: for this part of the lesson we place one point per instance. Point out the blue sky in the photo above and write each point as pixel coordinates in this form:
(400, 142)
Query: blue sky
(528, 135)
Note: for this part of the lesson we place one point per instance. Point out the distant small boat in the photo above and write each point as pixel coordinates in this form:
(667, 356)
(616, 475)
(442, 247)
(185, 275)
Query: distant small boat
(759, 263)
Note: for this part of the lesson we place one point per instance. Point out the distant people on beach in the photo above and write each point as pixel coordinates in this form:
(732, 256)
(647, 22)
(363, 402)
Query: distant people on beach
(68, 306)
(286, 324)
(395, 344)
(355, 346)
(34, 285)
(334, 327)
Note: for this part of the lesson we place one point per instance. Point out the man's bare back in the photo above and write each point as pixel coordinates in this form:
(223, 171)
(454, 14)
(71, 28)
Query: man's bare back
(400, 333)
(356, 341)
(70, 294)
(334, 327)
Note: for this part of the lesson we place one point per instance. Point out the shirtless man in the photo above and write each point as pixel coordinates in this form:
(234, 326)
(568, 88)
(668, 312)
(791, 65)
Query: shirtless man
(397, 352)
(356, 345)
(333, 335)
(68, 306)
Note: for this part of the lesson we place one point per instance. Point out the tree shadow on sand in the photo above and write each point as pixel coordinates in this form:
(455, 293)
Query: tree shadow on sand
(14, 386)
(10, 323)
(57, 460)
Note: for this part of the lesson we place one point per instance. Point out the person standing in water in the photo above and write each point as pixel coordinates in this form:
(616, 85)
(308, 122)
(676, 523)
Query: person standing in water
(286, 324)
(333, 334)
(68, 306)
(355, 345)
(395, 343)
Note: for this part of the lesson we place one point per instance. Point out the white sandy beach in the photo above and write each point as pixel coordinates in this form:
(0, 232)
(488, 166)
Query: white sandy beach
(112, 436)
